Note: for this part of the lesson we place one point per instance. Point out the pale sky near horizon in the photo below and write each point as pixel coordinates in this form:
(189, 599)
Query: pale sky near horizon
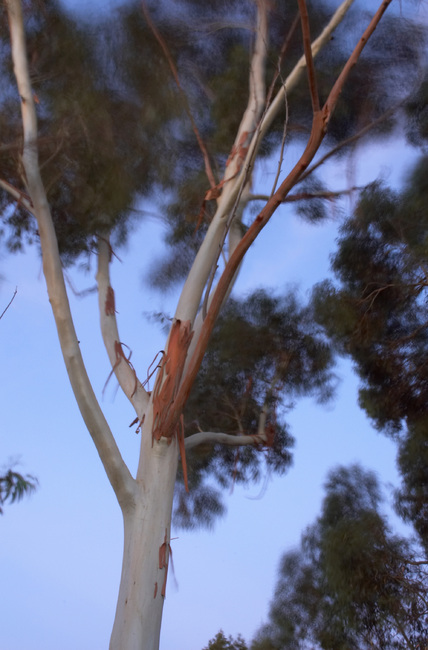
(61, 549)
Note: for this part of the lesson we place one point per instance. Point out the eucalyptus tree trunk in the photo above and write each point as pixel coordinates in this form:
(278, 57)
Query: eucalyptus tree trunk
(146, 552)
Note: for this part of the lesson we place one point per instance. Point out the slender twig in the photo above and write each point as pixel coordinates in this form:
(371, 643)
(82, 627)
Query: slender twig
(353, 138)
(301, 196)
(281, 56)
(162, 43)
(9, 303)
(281, 151)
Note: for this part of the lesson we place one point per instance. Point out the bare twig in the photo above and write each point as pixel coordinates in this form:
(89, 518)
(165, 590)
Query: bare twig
(19, 195)
(301, 196)
(9, 303)
(361, 133)
(162, 43)
(281, 151)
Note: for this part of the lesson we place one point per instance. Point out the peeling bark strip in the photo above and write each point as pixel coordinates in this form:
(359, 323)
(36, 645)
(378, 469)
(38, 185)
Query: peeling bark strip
(110, 307)
(163, 563)
(169, 377)
(119, 355)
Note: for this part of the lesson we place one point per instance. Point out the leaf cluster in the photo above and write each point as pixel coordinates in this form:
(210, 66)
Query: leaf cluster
(14, 486)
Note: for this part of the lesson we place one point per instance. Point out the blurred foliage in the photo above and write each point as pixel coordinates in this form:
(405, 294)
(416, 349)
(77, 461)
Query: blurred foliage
(412, 498)
(14, 486)
(378, 314)
(113, 126)
(265, 352)
(352, 584)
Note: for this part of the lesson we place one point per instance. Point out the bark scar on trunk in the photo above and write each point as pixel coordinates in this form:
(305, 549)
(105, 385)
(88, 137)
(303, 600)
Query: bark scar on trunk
(169, 377)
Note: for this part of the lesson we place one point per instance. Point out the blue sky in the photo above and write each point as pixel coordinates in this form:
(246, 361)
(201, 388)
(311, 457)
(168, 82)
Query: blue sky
(60, 551)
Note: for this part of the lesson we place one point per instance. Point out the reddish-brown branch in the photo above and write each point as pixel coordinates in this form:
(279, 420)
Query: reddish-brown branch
(162, 43)
(319, 127)
(348, 141)
(338, 86)
(307, 46)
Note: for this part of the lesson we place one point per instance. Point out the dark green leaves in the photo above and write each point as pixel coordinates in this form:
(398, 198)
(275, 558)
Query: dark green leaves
(379, 315)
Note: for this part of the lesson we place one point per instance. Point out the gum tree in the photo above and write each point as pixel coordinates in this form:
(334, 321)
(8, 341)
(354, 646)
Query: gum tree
(223, 234)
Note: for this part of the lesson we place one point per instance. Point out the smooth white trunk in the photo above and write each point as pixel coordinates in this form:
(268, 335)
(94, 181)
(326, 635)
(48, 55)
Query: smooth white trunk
(147, 528)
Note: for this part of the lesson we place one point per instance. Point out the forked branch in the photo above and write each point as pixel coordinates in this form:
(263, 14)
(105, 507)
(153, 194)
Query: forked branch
(210, 249)
(251, 132)
(319, 127)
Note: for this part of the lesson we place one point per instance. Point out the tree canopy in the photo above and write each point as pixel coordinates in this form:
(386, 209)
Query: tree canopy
(134, 106)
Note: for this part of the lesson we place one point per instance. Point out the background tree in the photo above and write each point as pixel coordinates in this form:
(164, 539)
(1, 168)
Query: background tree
(377, 314)
(352, 583)
(98, 153)
(220, 642)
